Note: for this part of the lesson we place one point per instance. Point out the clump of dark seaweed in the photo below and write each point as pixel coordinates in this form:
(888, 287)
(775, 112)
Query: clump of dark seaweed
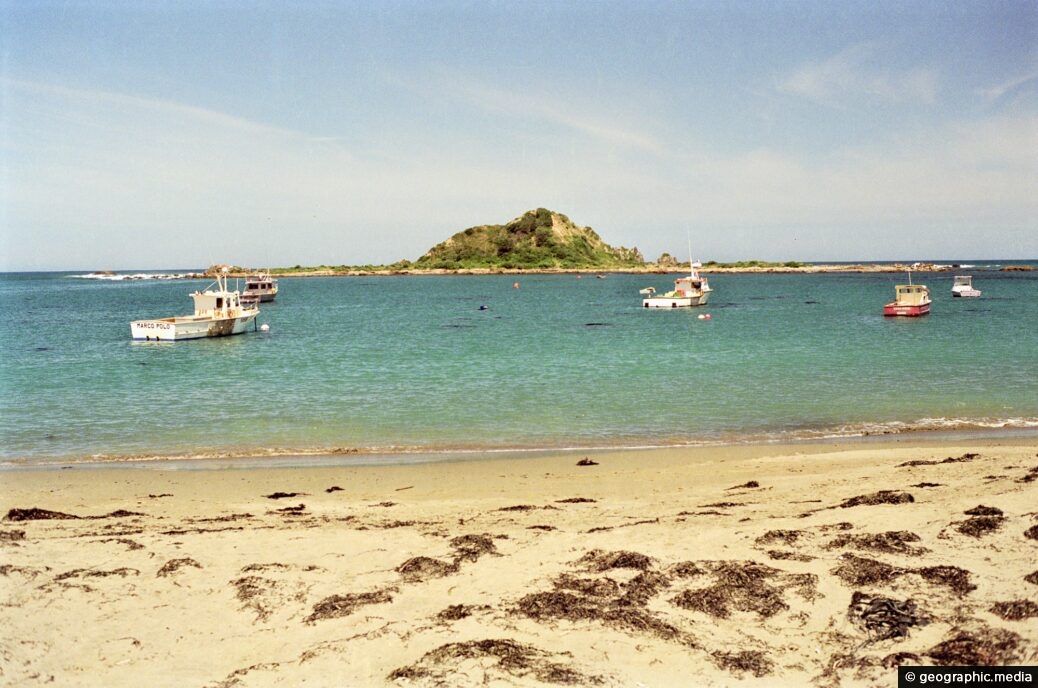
(894, 542)
(418, 569)
(455, 612)
(600, 560)
(857, 571)
(11, 535)
(505, 655)
(949, 576)
(785, 537)
(1032, 578)
(685, 569)
(785, 555)
(122, 572)
(926, 484)
(1031, 533)
(1030, 476)
(518, 507)
(472, 547)
(985, 647)
(333, 488)
(981, 510)
(919, 462)
(884, 617)
(575, 500)
(752, 661)
(343, 605)
(587, 462)
(35, 514)
(977, 526)
(745, 586)
(173, 565)
(283, 495)
(750, 484)
(1015, 610)
(881, 497)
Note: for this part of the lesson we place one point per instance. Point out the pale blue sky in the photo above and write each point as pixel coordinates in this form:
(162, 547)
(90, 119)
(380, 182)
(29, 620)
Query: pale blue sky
(147, 135)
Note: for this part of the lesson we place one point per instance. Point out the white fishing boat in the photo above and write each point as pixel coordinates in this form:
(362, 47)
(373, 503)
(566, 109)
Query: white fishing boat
(218, 313)
(690, 291)
(962, 286)
(260, 287)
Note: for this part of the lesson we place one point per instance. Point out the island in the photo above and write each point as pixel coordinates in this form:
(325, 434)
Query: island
(546, 241)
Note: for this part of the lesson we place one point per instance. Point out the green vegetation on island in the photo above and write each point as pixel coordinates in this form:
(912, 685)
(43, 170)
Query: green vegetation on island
(537, 240)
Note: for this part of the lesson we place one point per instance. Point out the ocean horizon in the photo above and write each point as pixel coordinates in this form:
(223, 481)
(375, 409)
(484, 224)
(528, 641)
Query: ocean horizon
(421, 366)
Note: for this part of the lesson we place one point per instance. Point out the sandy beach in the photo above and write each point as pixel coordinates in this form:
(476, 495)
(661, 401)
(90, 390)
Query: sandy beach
(812, 564)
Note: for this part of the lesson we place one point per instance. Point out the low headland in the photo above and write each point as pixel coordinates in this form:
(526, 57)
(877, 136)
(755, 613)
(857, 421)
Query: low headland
(543, 241)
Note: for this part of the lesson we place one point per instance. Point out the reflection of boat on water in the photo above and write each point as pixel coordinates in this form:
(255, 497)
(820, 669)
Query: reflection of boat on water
(218, 313)
(693, 290)
(261, 287)
(962, 286)
(909, 300)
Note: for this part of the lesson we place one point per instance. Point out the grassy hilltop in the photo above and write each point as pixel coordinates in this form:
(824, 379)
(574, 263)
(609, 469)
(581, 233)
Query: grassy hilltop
(537, 240)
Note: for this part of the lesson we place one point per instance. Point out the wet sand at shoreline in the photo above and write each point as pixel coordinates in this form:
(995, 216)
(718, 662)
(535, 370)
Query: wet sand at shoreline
(749, 565)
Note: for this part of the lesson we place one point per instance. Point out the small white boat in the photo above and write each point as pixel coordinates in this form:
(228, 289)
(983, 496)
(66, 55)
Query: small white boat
(218, 313)
(911, 300)
(963, 286)
(690, 291)
(261, 287)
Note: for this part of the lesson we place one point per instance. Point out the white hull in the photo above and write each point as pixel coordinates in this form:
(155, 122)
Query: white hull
(966, 293)
(665, 301)
(179, 328)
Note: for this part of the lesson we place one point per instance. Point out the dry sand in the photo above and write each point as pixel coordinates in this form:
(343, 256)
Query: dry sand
(823, 565)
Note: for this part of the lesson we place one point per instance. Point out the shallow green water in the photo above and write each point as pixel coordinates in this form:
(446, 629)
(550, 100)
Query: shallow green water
(412, 364)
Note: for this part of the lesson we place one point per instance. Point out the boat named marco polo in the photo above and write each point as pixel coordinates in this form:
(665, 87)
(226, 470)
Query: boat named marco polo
(693, 290)
(218, 313)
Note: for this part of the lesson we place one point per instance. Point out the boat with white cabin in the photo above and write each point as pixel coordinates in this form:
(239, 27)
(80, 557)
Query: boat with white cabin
(962, 286)
(909, 300)
(261, 287)
(218, 313)
(693, 290)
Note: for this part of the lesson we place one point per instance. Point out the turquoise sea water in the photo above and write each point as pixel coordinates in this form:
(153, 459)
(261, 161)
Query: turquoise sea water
(411, 364)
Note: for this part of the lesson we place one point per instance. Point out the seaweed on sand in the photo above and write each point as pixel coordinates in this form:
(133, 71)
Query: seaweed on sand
(502, 655)
(949, 576)
(472, 547)
(1032, 577)
(552, 606)
(881, 497)
(857, 571)
(883, 617)
(1015, 610)
(920, 462)
(753, 661)
(35, 514)
(343, 605)
(283, 495)
(11, 535)
(173, 565)
(1031, 533)
(745, 586)
(418, 569)
(893, 541)
(600, 560)
(786, 537)
(977, 526)
(984, 647)
(750, 484)
(981, 510)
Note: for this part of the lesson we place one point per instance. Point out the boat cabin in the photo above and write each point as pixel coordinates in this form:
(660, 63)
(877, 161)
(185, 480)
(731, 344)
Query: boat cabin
(911, 295)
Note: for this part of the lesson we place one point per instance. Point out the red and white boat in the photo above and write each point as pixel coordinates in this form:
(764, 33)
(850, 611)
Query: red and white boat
(909, 300)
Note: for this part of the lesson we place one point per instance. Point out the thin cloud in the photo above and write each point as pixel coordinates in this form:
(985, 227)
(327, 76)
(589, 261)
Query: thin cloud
(846, 78)
(996, 92)
(545, 109)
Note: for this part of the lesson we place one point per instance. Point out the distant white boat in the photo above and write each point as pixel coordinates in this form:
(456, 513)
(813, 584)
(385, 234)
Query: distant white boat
(260, 287)
(693, 290)
(963, 286)
(218, 313)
